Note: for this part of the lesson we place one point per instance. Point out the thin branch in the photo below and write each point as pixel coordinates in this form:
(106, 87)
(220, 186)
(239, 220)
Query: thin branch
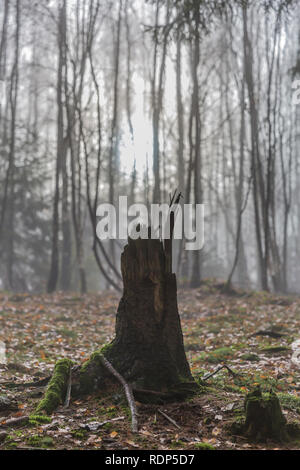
(234, 374)
(169, 419)
(127, 389)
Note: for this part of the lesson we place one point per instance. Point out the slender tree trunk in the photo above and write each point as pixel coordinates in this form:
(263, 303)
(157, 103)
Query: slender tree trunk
(13, 98)
(196, 268)
(60, 149)
(258, 185)
(180, 118)
(157, 98)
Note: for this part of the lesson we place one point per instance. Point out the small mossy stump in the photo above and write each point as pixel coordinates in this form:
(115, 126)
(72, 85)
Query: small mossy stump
(264, 418)
(148, 348)
(56, 389)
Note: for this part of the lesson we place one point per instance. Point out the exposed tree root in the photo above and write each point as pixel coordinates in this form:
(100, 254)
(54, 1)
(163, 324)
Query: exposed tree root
(56, 390)
(59, 388)
(97, 374)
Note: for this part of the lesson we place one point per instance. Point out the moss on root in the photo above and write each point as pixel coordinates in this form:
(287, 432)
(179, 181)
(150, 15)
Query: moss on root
(56, 389)
(90, 373)
(93, 375)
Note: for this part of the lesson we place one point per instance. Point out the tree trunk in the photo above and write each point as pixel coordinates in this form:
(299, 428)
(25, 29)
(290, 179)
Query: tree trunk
(60, 149)
(148, 347)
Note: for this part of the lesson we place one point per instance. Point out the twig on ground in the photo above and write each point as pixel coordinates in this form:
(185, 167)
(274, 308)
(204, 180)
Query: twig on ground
(19, 421)
(94, 425)
(128, 392)
(37, 383)
(224, 366)
(272, 334)
(168, 418)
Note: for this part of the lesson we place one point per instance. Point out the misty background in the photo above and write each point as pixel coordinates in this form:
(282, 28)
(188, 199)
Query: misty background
(133, 97)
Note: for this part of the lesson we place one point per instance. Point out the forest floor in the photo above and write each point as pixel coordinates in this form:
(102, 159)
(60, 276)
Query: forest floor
(218, 329)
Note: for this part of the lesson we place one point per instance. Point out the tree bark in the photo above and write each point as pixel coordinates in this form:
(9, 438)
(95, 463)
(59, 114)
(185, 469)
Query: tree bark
(60, 149)
(148, 348)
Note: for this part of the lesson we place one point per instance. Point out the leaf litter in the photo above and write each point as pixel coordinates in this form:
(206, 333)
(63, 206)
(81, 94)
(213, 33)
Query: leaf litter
(218, 329)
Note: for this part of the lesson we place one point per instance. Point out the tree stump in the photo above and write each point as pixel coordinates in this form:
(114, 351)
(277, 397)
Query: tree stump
(264, 418)
(148, 348)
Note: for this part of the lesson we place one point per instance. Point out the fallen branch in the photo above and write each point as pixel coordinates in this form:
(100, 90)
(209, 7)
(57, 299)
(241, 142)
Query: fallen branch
(169, 419)
(19, 421)
(36, 383)
(224, 366)
(94, 425)
(271, 334)
(127, 389)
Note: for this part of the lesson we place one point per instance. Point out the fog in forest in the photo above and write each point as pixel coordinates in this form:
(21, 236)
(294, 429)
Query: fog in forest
(136, 98)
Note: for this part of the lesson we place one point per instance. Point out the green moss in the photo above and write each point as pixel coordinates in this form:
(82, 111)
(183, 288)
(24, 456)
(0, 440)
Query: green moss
(219, 355)
(56, 389)
(11, 445)
(79, 433)
(106, 349)
(107, 426)
(67, 333)
(38, 441)
(204, 446)
(95, 357)
(176, 444)
(89, 372)
(250, 357)
(39, 419)
(289, 402)
(112, 411)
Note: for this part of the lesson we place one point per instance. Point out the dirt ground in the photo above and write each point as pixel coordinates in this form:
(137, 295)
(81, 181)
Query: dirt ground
(218, 329)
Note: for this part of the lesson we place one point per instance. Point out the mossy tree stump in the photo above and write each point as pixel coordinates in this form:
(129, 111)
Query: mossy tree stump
(148, 348)
(264, 418)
